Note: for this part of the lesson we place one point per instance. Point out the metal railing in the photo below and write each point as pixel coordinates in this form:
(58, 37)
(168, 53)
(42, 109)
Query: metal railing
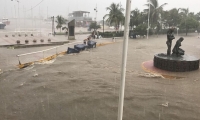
(41, 55)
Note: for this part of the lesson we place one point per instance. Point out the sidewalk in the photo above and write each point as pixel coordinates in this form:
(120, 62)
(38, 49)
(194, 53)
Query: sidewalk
(9, 59)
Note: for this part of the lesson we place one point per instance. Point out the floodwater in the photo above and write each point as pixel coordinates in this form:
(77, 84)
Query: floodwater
(85, 86)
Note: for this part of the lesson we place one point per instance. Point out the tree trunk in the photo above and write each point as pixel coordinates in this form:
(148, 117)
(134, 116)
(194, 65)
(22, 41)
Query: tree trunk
(186, 31)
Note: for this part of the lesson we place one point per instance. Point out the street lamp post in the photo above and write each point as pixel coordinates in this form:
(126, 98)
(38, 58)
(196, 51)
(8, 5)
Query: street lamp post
(95, 9)
(18, 18)
(103, 24)
(53, 26)
(18, 15)
(148, 22)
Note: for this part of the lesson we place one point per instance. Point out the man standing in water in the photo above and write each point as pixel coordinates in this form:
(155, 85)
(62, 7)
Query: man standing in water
(170, 37)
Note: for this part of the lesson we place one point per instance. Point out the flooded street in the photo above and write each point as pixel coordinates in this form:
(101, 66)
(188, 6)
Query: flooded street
(85, 86)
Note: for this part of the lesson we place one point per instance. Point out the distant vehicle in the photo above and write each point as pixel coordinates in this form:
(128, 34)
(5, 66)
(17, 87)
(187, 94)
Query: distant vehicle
(6, 21)
(2, 25)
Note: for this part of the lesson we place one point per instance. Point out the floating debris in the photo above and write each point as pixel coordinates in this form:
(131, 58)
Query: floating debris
(165, 104)
(150, 75)
(35, 75)
(22, 84)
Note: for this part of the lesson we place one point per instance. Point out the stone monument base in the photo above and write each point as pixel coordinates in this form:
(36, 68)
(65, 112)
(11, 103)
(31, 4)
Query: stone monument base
(176, 63)
(71, 38)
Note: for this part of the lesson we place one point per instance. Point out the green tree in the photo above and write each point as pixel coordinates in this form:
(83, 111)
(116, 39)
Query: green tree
(137, 18)
(155, 11)
(198, 16)
(172, 17)
(60, 21)
(115, 15)
(188, 20)
(141, 29)
(188, 23)
(198, 29)
(94, 26)
(184, 12)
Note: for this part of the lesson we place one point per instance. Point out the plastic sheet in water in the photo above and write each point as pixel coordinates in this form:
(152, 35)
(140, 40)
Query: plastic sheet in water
(80, 47)
(92, 44)
(72, 50)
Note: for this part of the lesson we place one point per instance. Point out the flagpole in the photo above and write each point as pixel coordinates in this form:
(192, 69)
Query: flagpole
(124, 60)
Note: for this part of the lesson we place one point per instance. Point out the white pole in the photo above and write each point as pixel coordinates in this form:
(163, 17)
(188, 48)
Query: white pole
(47, 12)
(15, 19)
(32, 18)
(24, 16)
(148, 22)
(124, 60)
(18, 16)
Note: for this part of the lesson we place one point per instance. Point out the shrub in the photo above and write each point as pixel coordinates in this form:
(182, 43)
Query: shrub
(112, 34)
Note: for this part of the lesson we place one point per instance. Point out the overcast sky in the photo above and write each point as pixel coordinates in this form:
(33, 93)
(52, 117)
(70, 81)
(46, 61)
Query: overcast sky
(63, 7)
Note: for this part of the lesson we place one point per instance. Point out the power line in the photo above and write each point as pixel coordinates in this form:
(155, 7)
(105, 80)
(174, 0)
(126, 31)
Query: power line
(35, 6)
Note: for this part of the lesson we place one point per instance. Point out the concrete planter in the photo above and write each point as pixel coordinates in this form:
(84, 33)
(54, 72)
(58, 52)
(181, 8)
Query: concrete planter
(18, 41)
(26, 41)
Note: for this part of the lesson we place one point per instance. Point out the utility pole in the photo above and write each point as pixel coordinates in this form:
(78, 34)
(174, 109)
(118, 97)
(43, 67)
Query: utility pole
(18, 18)
(32, 17)
(53, 25)
(40, 20)
(95, 9)
(18, 15)
(47, 12)
(15, 18)
(24, 16)
(120, 5)
(103, 24)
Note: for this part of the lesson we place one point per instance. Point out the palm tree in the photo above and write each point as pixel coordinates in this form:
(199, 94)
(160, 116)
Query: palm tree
(198, 16)
(60, 21)
(189, 20)
(115, 15)
(172, 17)
(156, 11)
(184, 12)
(134, 18)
